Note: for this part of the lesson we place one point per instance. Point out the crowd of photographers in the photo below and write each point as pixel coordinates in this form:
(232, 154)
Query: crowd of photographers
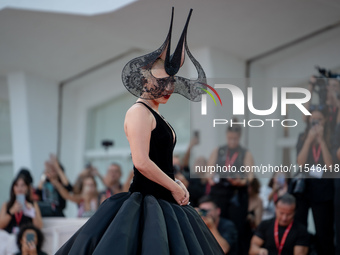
(244, 216)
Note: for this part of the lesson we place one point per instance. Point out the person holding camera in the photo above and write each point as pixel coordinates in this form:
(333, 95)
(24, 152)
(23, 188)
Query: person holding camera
(51, 202)
(223, 230)
(327, 86)
(19, 210)
(281, 235)
(314, 158)
(30, 240)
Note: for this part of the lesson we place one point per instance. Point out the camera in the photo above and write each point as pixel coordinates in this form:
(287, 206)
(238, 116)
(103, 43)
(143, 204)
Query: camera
(203, 212)
(320, 86)
(107, 144)
(315, 122)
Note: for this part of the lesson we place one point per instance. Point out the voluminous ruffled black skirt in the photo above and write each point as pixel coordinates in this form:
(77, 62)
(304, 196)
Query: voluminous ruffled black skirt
(130, 223)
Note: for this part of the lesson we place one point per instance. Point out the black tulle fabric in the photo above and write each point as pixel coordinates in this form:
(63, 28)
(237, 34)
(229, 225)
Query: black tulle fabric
(138, 79)
(146, 220)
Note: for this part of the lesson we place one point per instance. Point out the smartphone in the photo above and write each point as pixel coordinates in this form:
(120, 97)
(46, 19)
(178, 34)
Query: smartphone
(29, 237)
(281, 180)
(21, 199)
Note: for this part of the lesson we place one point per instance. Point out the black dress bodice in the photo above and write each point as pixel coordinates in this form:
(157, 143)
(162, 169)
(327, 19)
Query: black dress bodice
(162, 143)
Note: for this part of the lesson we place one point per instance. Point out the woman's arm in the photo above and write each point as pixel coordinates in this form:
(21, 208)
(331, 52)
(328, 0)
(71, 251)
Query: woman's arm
(186, 158)
(139, 123)
(61, 174)
(94, 171)
(327, 157)
(5, 218)
(64, 192)
(255, 246)
(37, 220)
(258, 212)
(249, 162)
(211, 162)
(303, 154)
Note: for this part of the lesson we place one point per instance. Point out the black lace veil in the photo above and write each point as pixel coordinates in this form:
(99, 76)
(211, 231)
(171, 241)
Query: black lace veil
(138, 74)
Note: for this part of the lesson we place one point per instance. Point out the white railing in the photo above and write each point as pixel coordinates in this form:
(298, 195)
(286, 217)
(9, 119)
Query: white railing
(58, 230)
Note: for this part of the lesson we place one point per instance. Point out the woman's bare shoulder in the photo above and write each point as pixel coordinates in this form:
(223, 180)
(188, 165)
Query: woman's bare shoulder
(137, 109)
(138, 113)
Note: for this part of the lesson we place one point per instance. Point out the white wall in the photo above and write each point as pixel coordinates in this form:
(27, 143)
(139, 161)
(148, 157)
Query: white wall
(6, 167)
(34, 108)
(220, 67)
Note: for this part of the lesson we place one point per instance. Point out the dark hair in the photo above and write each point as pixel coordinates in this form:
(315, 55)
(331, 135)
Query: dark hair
(118, 165)
(255, 185)
(27, 174)
(207, 199)
(12, 194)
(287, 199)
(37, 231)
(271, 181)
(233, 128)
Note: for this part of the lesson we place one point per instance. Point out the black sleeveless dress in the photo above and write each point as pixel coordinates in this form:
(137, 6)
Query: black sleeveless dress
(146, 220)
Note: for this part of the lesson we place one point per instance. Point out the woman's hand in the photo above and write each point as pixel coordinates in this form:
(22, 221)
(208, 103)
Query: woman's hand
(187, 195)
(312, 134)
(16, 207)
(179, 195)
(29, 248)
(319, 133)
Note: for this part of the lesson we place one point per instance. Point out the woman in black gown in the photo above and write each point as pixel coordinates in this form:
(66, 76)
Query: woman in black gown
(154, 217)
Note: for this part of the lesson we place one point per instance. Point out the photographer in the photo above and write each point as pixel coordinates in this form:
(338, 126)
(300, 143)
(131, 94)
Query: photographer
(327, 86)
(313, 154)
(51, 203)
(223, 230)
(281, 235)
(30, 240)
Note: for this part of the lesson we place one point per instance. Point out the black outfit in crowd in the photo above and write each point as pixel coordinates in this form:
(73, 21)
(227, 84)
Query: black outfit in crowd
(337, 214)
(232, 200)
(336, 176)
(13, 223)
(196, 190)
(51, 203)
(318, 195)
(297, 235)
(145, 220)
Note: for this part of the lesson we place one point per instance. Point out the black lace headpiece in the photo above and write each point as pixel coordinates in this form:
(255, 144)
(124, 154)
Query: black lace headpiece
(139, 78)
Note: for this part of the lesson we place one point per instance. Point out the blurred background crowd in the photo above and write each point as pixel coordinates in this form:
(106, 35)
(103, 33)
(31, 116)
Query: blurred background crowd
(240, 211)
